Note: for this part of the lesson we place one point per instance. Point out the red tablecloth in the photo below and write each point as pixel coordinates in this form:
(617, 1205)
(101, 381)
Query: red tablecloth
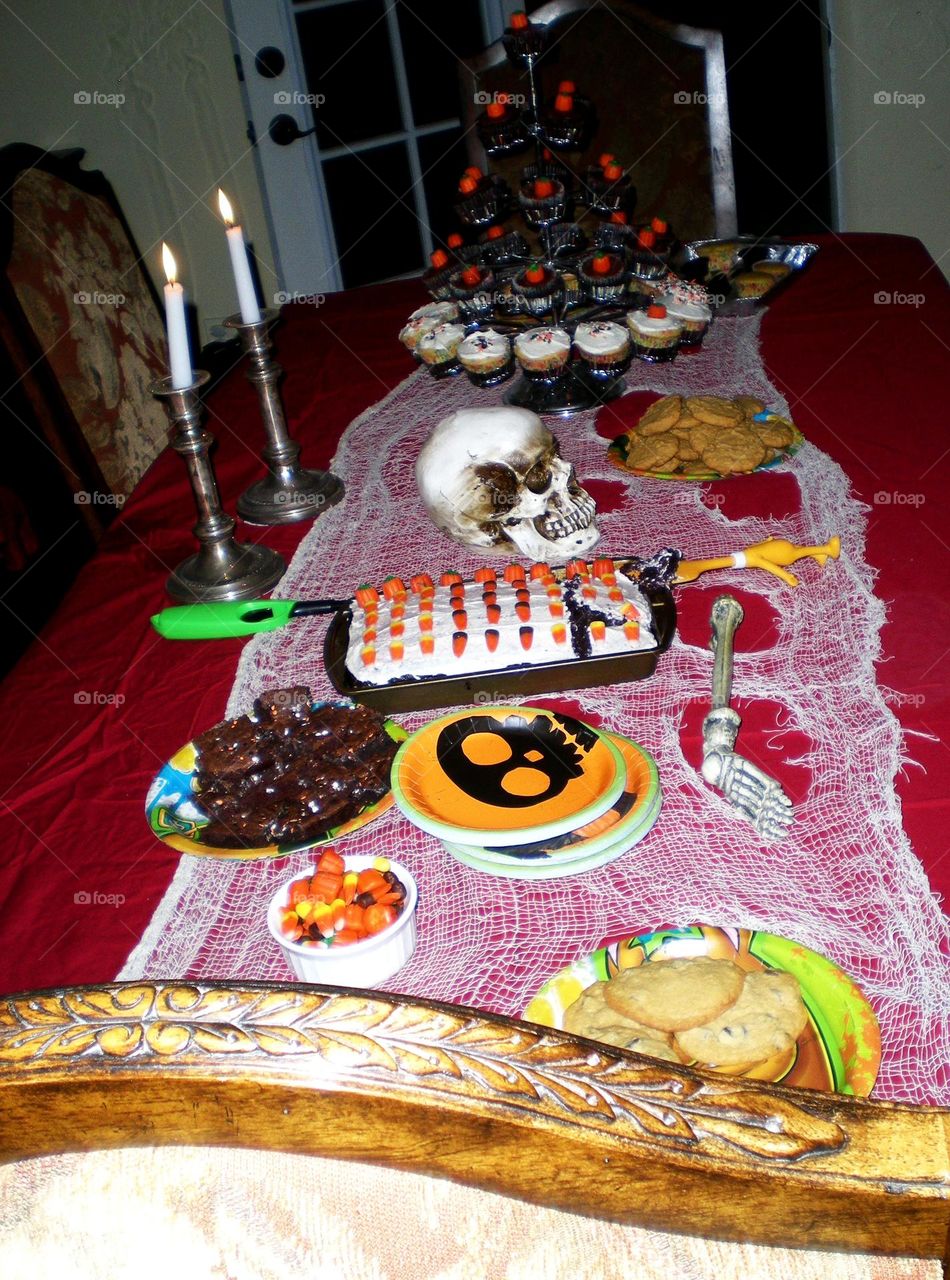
(100, 702)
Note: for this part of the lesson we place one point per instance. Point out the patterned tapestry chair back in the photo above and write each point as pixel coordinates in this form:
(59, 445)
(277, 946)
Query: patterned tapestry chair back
(659, 94)
(91, 314)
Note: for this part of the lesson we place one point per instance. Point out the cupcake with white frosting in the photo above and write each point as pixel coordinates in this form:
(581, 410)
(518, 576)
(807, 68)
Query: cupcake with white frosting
(603, 346)
(543, 353)
(423, 319)
(438, 349)
(486, 357)
(694, 316)
(655, 335)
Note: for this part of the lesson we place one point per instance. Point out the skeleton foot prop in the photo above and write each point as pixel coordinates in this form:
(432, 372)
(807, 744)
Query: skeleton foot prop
(747, 787)
(493, 479)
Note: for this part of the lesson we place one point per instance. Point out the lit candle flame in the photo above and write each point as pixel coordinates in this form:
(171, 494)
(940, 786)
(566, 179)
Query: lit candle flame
(169, 263)
(224, 204)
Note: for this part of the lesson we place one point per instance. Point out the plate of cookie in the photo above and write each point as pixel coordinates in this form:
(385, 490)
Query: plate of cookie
(705, 438)
(741, 1002)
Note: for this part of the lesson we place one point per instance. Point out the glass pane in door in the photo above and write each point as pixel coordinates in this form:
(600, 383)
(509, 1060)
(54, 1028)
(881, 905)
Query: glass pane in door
(348, 59)
(435, 34)
(374, 214)
(442, 158)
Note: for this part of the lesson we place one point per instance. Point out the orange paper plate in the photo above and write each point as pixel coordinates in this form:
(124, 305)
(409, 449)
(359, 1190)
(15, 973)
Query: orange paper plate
(506, 775)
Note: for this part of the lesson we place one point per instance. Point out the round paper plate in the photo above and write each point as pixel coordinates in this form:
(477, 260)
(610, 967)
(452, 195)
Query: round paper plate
(840, 1048)
(641, 787)
(173, 809)
(616, 452)
(504, 775)
(558, 870)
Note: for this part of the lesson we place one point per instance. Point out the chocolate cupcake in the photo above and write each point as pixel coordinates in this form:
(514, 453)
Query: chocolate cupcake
(501, 128)
(438, 349)
(486, 357)
(436, 279)
(608, 188)
(568, 120)
(479, 199)
(601, 277)
(540, 289)
(654, 334)
(615, 235)
(472, 288)
(644, 259)
(500, 247)
(604, 347)
(543, 353)
(543, 201)
(523, 41)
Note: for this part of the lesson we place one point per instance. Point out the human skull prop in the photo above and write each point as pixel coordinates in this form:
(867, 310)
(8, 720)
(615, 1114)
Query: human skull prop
(494, 479)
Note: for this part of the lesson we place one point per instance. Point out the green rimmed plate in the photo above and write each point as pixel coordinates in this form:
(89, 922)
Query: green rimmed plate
(561, 868)
(506, 775)
(840, 1048)
(617, 449)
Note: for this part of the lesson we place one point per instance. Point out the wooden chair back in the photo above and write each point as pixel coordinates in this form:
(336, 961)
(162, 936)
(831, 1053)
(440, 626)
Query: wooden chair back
(81, 322)
(487, 1101)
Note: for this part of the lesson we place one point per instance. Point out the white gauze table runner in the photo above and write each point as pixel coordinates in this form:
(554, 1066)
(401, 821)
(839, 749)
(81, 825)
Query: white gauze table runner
(846, 881)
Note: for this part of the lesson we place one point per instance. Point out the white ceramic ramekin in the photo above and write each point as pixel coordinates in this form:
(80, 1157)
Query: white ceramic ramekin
(367, 963)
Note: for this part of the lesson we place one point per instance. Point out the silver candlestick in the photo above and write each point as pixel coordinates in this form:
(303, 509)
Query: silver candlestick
(221, 569)
(288, 492)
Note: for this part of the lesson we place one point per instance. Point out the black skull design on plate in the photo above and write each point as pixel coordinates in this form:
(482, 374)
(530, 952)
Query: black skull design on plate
(513, 762)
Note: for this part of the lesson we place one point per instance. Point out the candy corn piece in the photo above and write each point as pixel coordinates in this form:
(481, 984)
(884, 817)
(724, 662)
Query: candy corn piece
(459, 641)
(598, 630)
(556, 609)
(368, 654)
(427, 643)
(493, 612)
(425, 621)
(527, 636)
(369, 635)
(523, 610)
(631, 630)
(396, 650)
(460, 618)
(397, 628)
(559, 633)
(491, 640)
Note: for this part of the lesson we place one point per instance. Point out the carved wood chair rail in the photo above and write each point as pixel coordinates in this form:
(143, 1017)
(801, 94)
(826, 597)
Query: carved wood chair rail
(489, 1101)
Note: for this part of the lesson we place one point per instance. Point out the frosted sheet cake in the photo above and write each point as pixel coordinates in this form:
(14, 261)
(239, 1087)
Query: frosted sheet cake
(503, 620)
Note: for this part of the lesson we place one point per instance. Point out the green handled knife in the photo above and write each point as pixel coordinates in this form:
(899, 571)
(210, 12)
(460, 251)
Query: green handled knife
(236, 618)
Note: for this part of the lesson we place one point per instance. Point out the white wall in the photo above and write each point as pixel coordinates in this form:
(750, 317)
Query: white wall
(890, 80)
(178, 134)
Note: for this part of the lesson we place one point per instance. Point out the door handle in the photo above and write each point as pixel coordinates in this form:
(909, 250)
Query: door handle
(284, 129)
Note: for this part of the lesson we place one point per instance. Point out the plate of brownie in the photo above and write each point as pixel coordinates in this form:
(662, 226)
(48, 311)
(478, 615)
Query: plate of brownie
(291, 774)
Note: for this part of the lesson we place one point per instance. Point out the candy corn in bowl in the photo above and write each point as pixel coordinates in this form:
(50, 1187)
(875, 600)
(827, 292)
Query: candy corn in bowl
(347, 922)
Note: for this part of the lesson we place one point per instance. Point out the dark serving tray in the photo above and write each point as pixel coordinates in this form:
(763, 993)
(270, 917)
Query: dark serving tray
(488, 686)
(750, 249)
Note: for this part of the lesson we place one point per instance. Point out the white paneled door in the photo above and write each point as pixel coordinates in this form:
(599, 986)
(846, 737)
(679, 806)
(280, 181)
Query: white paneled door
(354, 107)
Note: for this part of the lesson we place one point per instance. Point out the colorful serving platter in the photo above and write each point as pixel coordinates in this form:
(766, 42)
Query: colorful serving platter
(173, 809)
(840, 1048)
